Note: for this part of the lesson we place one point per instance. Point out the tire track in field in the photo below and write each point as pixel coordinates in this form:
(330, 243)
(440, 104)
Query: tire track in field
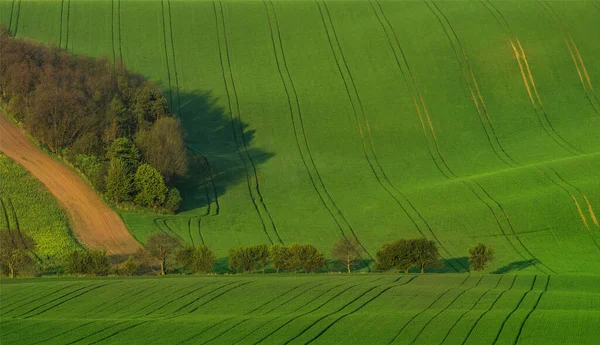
(59, 335)
(60, 35)
(371, 156)
(293, 311)
(232, 94)
(205, 167)
(531, 311)
(133, 301)
(7, 220)
(444, 309)
(357, 309)
(413, 88)
(582, 73)
(425, 309)
(334, 312)
(4, 312)
(470, 309)
(449, 29)
(12, 8)
(88, 288)
(471, 83)
(217, 296)
(95, 332)
(164, 31)
(528, 80)
(112, 30)
(118, 299)
(68, 25)
(18, 17)
(515, 309)
(300, 132)
(119, 35)
(16, 219)
(117, 332)
(246, 315)
(173, 60)
(182, 292)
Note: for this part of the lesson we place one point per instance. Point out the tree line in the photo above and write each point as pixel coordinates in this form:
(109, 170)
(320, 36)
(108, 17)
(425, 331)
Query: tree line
(164, 254)
(112, 124)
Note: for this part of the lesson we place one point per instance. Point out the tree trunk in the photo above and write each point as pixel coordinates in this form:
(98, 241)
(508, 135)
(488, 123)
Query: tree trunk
(162, 267)
(406, 271)
(422, 268)
(11, 271)
(348, 266)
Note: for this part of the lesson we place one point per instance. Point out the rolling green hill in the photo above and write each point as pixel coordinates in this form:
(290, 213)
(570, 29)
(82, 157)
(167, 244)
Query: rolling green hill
(462, 122)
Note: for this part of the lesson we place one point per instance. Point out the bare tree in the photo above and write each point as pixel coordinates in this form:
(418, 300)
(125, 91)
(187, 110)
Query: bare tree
(347, 251)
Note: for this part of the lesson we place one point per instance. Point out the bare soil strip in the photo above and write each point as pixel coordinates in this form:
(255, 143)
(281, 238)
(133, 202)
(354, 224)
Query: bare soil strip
(95, 224)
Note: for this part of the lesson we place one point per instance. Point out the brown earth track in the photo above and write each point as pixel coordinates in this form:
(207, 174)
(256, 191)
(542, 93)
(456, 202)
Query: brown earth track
(95, 224)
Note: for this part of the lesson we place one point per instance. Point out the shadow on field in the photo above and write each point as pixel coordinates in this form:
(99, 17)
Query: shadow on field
(219, 150)
(515, 266)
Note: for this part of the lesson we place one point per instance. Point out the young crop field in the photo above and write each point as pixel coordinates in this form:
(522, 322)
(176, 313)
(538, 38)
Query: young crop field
(26, 205)
(303, 309)
(458, 121)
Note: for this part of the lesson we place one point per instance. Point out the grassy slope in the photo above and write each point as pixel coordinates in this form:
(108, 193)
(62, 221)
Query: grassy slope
(502, 177)
(31, 208)
(449, 309)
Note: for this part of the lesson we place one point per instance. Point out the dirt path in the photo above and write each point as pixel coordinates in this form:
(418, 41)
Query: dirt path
(94, 223)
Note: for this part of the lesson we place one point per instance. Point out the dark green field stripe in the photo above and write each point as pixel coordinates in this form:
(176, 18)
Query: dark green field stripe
(135, 300)
(470, 309)
(68, 25)
(39, 289)
(543, 121)
(12, 9)
(117, 332)
(112, 30)
(119, 31)
(17, 330)
(515, 309)
(314, 323)
(118, 299)
(37, 299)
(18, 17)
(425, 309)
(229, 98)
(95, 332)
(357, 309)
(487, 311)
(186, 292)
(94, 287)
(531, 311)
(443, 310)
(60, 35)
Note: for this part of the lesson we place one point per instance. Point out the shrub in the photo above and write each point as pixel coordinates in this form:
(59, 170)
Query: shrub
(150, 186)
(398, 254)
(93, 262)
(480, 255)
(119, 183)
(131, 266)
(173, 201)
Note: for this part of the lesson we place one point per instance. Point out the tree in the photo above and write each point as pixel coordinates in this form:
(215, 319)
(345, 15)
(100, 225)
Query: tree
(130, 266)
(173, 200)
(399, 254)
(278, 254)
(347, 251)
(119, 182)
(162, 247)
(125, 150)
(163, 148)
(204, 259)
(242, 259)
(14, 252)
(93, 262)
(426, 253)
(260, 253)
(152, 191)
(304, 256)
(294, 258)
(480, 255)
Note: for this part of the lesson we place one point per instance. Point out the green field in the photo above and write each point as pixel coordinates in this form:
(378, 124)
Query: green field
(319, 309)
(462, 122)
(26, 205)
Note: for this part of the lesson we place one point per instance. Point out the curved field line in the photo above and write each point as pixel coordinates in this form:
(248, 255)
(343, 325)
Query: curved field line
(364, 115)
(117, 332)
(425, 309)
(293, 311)
(560, 25)
(528, 79)
(471, 82)
(316, 179)
(211, 179)
(118, 299)
(470, 309)
(188, 290)
(119, 35)
(63, 333)
(217, 296)
(491, 307)
(332, 313)
(68, 24)
(173, 56)
(229, 97)
(515, 309)
(249, 312)
(133, 301)
(357, 309)
(60, 35)
(444, 309)
(4, 311)
(164, 31)
(415, 86)
(12, 8)
(200, 230)
(18, 17)
(189, 226)
(7, 220)
(532, 310)
(243, 137)
(112, 30)
(95, 332)
(199, 297)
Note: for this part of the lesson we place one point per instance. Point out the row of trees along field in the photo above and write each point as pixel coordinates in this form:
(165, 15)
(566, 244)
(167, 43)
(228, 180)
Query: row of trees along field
(112, 124)
(164, 254)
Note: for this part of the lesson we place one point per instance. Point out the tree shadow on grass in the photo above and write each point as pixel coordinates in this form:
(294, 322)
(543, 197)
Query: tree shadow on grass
(515, 266)
(219, 148)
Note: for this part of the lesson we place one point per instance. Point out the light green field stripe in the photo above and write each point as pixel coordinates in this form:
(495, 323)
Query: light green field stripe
(89, 31)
